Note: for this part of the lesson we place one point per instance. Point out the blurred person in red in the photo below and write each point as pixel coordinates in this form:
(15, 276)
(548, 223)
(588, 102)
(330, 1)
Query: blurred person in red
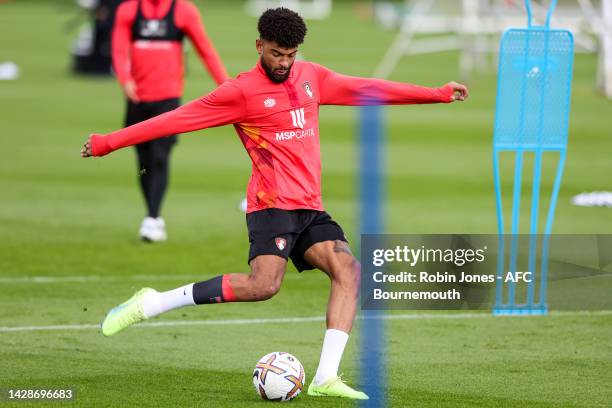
(147, 53)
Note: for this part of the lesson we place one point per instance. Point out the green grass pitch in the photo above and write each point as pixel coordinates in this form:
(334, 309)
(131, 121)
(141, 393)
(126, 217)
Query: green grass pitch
(74, 221)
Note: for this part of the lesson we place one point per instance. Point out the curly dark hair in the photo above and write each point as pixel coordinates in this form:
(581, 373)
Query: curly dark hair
(283, 26)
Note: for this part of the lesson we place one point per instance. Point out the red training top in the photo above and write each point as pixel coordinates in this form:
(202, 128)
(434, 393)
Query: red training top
(156, 64)
(278, 125)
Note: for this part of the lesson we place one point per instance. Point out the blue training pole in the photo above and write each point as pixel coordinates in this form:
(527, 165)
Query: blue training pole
(371, 147)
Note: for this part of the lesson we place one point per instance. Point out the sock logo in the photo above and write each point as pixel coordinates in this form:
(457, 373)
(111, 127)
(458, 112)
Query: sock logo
(281, 243)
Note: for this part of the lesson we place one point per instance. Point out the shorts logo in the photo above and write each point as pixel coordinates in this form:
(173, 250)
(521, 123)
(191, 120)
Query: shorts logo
(281, 243)
(307, 88)
(298, 118)
(270, 102)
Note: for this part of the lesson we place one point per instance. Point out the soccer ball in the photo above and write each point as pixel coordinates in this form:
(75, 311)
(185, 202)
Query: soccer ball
(279, 376)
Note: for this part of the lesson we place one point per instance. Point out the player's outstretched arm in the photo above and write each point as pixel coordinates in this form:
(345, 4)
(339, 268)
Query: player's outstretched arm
(338, 89)
(223, 106)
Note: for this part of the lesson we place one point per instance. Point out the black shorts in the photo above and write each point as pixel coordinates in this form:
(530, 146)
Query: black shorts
(141, 111)
(289, 233)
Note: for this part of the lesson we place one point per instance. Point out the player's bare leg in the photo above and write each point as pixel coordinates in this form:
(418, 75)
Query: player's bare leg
(336, 260)
(264, 281)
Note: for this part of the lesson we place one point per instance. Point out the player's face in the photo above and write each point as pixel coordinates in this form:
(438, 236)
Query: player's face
(276, 60)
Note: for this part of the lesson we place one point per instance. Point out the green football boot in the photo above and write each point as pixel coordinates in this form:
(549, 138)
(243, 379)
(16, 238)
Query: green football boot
(126, 314)
(335, 388)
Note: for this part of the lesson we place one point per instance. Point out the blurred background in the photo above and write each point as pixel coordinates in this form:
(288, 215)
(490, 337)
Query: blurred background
(68, 243)
(438, 157)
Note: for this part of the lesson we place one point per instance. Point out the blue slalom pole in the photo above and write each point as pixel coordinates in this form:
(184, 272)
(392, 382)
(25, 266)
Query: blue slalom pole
(501, 255)
(529, 13)
(371, 147)
(551, 8)
(516, 210)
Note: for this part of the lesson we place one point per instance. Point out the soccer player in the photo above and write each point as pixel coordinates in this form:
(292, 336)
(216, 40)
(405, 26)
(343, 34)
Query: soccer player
(275, 109)
(147, 56)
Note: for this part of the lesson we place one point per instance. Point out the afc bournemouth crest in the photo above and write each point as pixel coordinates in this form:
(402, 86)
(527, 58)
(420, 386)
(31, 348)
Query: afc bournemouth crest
(307, 88)
(281, 243)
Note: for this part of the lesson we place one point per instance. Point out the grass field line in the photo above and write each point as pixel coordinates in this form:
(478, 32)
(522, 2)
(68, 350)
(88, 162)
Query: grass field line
(97, 278)
(238, 322)
(94, 278)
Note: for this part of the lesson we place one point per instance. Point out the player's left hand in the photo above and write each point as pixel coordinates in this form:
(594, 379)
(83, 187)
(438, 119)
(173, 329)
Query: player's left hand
(86, 150)
(460, 91)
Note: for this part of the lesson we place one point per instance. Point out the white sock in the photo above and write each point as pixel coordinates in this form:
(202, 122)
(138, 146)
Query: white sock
(333, 348)
(162, 302)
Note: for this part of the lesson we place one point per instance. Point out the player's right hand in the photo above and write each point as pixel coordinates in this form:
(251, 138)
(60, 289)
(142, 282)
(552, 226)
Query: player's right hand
(86, 150)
